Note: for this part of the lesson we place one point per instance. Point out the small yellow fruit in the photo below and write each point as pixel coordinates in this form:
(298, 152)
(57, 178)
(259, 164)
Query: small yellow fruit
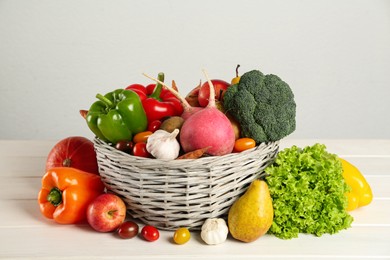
(236, 79)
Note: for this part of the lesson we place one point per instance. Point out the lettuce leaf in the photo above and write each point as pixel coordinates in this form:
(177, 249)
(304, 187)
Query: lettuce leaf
(307, 190)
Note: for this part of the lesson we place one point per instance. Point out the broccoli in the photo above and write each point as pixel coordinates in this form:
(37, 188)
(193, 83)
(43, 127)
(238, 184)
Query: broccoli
(263, 105)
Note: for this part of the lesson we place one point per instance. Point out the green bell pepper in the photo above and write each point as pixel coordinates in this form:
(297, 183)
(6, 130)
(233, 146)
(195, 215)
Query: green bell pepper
(117, 116)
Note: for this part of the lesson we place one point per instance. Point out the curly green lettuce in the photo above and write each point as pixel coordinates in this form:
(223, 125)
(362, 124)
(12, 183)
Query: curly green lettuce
(308, 192)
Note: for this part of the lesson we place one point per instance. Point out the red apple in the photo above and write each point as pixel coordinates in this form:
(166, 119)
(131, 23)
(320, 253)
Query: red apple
(220, 87)
(106, 213)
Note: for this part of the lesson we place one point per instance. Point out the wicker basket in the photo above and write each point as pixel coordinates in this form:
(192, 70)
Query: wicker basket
(180, 193)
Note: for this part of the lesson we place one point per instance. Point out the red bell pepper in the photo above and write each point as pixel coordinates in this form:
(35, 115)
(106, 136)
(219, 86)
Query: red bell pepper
(157, 101)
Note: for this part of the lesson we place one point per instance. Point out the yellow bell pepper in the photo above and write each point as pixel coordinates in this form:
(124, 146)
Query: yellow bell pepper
(361, 193)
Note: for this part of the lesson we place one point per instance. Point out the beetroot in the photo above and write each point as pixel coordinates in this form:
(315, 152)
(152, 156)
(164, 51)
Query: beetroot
(208, 127)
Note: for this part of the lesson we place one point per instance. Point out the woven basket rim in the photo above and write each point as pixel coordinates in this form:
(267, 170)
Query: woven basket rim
(201, 160)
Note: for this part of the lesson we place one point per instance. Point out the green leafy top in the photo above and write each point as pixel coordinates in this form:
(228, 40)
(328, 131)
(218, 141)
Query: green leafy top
(308, 192)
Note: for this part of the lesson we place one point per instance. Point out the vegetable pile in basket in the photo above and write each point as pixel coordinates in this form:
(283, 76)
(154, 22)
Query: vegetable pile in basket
(304, 190)
(216, 118)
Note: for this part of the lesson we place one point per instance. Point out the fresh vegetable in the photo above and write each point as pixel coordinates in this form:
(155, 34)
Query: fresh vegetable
(128, 229)
(140, 150)
(181, 236)
(188, 110)
(158, 102)
(308, 192)
(66, 193)
(214, 231)
(360, 194)
(75, 151)
(208, 127)
(243, 144)
(117, 116)
(154, 125)
(220, 87)
(194, 154)
(142, 137)
(172, 123)
(106, 212)
(163, 145)
(125, 146)
(263, 105)
(150, 233)
(236, 79)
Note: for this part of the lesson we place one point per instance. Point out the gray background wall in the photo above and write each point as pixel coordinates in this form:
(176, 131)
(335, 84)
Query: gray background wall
(56, 55)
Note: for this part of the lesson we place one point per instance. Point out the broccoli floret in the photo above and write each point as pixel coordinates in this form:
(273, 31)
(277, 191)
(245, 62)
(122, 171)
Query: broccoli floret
(263, 105)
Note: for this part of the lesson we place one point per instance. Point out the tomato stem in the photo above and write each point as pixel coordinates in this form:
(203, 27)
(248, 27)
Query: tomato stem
(55, 196)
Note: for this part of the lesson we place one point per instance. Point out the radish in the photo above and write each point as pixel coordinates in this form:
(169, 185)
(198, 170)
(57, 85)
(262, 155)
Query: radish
(188, 109)
(208, 127)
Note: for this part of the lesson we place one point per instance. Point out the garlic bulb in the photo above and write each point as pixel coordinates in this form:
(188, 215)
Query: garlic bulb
(163, 145)
(214, 231)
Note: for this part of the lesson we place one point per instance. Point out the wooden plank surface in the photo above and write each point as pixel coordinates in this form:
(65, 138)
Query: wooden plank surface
(26, 234)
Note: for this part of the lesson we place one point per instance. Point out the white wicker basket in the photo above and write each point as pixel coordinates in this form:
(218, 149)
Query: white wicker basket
(180, 193)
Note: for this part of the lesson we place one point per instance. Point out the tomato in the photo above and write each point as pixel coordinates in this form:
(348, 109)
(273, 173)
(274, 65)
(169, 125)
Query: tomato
(154, 126)
(125, 146)
(142, 137)
(181, 236)
(128, 229)
(139, 149)
(75, 151)
(150, 233)
(243, 144)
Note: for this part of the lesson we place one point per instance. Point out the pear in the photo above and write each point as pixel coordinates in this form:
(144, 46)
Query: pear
(252, 214)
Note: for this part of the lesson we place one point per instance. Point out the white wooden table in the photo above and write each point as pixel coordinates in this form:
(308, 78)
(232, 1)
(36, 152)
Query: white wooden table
(24, 233)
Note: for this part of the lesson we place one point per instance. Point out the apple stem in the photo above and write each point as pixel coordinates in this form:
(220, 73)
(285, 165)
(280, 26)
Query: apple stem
(67, 162)
(55, 196)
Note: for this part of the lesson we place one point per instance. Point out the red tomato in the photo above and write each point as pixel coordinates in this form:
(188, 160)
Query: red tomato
(154, 126)
(128, 229)
(243, 144)
(139, 149)
(75, 151)
(142, 137)
(150, 233)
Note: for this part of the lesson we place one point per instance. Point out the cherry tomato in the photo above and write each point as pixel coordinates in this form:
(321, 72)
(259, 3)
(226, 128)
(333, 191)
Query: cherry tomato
(141, 137)
(150, 233)
(128, 229)
(139, 149)
(243, 144)
(154, 126)
(125, 146)
(181, 236)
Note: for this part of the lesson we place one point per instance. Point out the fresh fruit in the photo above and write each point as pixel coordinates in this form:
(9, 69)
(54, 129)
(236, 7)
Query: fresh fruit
(128, 229)
(142, 137)
(236, 79)
(106, 213)
(243, 144)
(361, 193)
(139, 149)
(251, 215)
(220, 87)
(150, 233)
(181, 236)
(75, 151)
(125, 146)
(154, 125)
(192, 96)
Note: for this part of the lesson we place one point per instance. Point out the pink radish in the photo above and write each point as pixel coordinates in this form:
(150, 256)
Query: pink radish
(188, 109)
(208, 127)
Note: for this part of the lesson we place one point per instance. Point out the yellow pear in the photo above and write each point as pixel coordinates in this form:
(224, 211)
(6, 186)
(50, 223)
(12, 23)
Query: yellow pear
(252, 214)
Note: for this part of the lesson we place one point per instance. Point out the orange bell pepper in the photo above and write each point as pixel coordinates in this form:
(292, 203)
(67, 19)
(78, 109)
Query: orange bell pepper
(66, 193)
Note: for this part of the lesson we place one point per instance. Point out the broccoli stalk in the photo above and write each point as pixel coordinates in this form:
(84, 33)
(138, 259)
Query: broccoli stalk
(263, 105)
